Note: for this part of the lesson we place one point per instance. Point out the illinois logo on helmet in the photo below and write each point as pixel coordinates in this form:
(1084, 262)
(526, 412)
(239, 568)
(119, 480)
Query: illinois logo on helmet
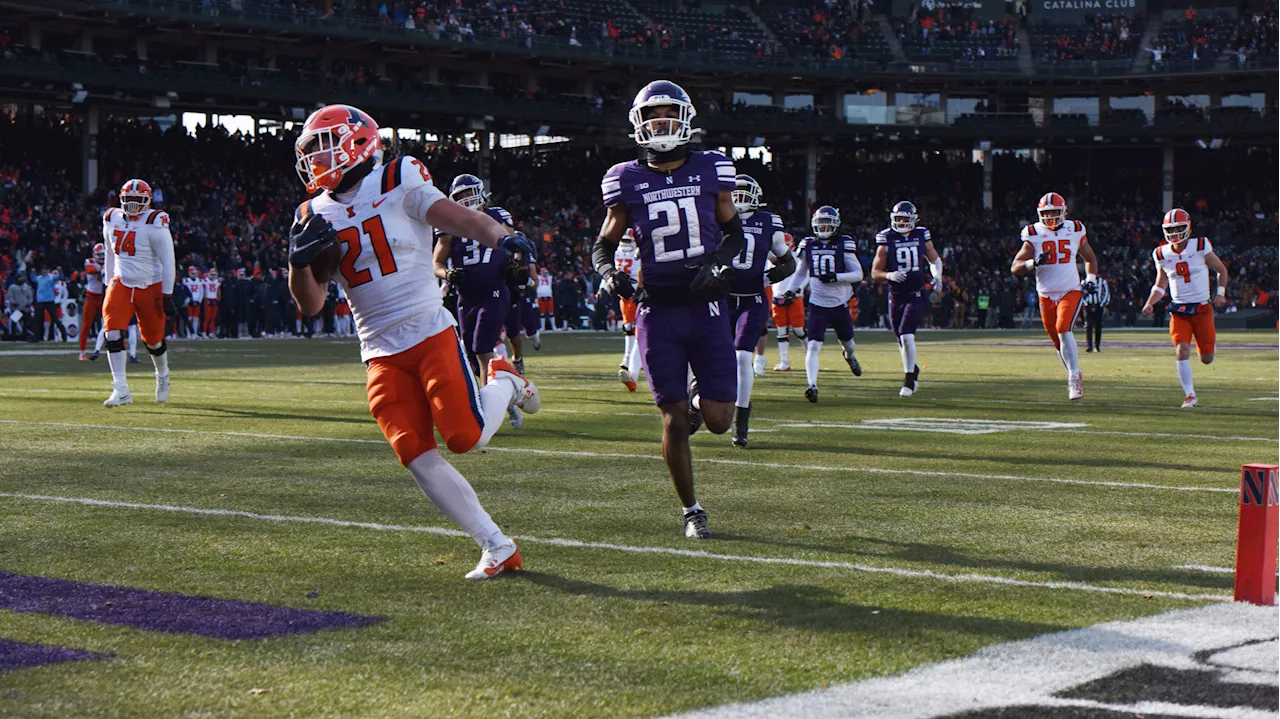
(135, 197)
(100, 254)
(335, 139)
(1176, 225)
(1052, 210)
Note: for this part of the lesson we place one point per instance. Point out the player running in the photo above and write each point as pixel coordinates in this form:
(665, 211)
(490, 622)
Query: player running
(765, 240)
(1182, 268)
(1049, 248)
(418, 378)
(898, 250)
(627, 259)
(788, 314)
(833, 264)
(680, 204)
(139, 274)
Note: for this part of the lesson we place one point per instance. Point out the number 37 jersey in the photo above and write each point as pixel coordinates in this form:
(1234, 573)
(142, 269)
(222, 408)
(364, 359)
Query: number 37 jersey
(387, 269)
(1059, 275)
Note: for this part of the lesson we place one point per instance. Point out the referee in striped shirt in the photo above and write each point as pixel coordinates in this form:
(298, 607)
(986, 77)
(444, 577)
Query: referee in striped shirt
(1096, 298)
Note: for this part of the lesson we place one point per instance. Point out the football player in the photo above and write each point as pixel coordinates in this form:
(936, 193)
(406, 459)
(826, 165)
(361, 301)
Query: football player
(832, 262)
(417, 373)
(546, 300)
(93, 292)
(212, 293)
(195, 285)
(139, 274)
(899, 249)
(680, 203)
(1182, 269)
(788, 315)
(765, 241)
(1050, 247)
(627, 260)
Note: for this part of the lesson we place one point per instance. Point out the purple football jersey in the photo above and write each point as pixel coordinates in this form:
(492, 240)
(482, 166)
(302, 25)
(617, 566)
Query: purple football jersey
(485, 267)
(905, 252)
(672, 213)
(748, 266)
(827, 255)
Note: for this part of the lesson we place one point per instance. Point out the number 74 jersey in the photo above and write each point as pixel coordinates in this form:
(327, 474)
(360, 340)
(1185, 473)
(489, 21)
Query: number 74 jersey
(1059, 274)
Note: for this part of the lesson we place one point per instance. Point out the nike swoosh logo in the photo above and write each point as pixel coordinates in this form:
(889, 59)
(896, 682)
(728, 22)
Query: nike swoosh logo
(379, 202)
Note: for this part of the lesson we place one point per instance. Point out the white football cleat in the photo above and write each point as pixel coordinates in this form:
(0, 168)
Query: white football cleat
(782, 367)
(1075, 386)
(758, 367)
(118, 398)
(1190, 401)
(496, 560)
(515, 418)
(162, 388)
(526, 396)
(905, 392)
(627, 379)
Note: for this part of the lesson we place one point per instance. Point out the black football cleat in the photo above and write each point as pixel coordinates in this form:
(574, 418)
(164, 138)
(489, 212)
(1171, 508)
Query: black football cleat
(695, 525)
(811, 394)
(854, 365)
(741, 420)
(695, 415)
(519, 365)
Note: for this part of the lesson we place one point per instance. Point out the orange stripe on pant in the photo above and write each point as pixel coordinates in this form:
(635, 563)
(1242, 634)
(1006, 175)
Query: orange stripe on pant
(123, 303)
(92, 308)
(426, 387)
(1183, 329)
(1059, 316)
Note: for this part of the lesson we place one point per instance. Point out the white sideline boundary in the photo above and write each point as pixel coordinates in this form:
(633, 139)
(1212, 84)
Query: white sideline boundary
(620, 455)
(633, 549)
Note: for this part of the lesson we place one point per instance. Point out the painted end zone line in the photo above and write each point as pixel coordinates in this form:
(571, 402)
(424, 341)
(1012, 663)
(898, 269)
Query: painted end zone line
(618, 455)
(696, 554)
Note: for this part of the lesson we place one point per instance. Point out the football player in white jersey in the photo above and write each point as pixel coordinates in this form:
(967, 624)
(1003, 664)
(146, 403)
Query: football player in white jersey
(195, 285)
(418, 376)
(1182, 269)
(1050, 248)
(93, 292)
(212, 294)
(139, 274)
(627, 259)
(546, 300)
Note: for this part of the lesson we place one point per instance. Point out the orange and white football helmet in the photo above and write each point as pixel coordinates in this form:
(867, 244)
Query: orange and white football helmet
(1052, 210)
(135, 197)
(335, 139)
(100, 254)
(1176, 225)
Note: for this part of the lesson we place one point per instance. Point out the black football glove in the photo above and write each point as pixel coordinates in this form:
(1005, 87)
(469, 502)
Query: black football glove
(618, 284)
(711, 283)
(308, 239)
(785, 299)
(828, 278)
(518, 243)
(778, 274)
(169, 309)
(1089, 288)
(455, 276)
(1045, 258)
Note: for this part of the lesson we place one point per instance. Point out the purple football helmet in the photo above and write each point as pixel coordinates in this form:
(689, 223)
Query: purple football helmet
(662, 134)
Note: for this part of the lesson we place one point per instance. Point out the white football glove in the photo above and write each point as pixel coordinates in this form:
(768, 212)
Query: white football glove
(897, 276)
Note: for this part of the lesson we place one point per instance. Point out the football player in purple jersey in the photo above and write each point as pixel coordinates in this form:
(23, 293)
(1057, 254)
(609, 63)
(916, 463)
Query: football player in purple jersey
(749, 311)
(899, 249)
(832, 262)
(679, 204)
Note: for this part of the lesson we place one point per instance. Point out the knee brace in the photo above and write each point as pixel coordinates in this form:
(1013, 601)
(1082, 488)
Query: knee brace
(629, 329)
(115, 345)
(799, 333)
(157, 351)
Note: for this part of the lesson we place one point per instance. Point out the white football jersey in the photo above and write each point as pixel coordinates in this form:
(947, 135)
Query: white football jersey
(1060, 275)
(778, 288)
(627, 259)
(212, 288)
(544, 286)
(195, 286)
(387, 269)
(1187, 272)
(93, 277)
(139, 249)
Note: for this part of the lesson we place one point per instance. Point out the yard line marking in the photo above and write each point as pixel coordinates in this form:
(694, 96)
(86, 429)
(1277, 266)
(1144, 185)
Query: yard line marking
(634, 549)
(624, 456)
(1264, 399)
(619, 455)
(1214, 570)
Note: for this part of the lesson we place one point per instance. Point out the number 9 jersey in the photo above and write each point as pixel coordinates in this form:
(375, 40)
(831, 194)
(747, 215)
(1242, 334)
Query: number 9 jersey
(1059, 274)
(1186, 270)
(387, 268)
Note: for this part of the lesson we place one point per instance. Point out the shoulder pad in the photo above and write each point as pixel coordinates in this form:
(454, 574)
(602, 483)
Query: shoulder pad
(928, 236)
(151, 216)
(1158, 253)
(777, 221)
(303, 211)
(1029, 230)
(106, 216)
(1079, 225)
(1201, 243)
(391, 175)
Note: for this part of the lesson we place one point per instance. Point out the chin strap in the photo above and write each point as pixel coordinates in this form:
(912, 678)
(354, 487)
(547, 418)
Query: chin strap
(653, 157)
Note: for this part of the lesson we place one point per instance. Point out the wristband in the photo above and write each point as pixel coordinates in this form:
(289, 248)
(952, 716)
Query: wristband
(1031, 264)
(1158, 291)
(1222, 291)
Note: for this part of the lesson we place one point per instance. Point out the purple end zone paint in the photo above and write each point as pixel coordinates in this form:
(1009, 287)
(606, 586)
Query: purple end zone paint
(17, 655)
(164, 611)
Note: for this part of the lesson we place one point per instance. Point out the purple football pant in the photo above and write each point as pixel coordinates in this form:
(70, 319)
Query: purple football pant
(822, 318)
(515, 319)
(482, 321)
(675, 339)
(906, 312)
(529, 316)
(749, 315)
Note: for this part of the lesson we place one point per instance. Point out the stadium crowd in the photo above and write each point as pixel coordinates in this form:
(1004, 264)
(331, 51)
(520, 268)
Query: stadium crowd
(231, 199)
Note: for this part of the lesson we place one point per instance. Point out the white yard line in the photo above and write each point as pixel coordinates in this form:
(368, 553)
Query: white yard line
(633, 549)
(618, 455)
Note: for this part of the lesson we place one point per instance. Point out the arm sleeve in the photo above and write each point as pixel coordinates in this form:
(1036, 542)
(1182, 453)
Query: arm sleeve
(162, 245)
(795, 283)
(851, 260)
(602, 255)
(779, 246)
(109, 265)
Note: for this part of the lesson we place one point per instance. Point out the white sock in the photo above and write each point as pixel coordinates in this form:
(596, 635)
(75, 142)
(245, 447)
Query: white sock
(1184, 376)
(161, 362)
(746, 378)
(633, 359)
(1070, 355)
(454, 497)
(811, 352)
(495, 398)
(694, 508)
(784, 351)
(116, 361)
(760, 363)
(849, 346)
(101, 342)
(627, 344)
(907, 348)
(500, 349)
(133, 340)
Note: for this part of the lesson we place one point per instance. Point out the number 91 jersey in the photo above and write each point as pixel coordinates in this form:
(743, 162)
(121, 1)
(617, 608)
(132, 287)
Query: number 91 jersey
(1059, 274)
(905, 252)
(387, 268)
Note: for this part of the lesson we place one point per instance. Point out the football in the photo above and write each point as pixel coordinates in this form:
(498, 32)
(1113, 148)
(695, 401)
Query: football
(326, 263)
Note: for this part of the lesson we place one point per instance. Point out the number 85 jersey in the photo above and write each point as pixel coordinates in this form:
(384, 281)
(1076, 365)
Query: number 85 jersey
(1059, 275)
(387, 269)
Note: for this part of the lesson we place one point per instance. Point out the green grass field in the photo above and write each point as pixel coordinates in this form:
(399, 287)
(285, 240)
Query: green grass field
(888, 545)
